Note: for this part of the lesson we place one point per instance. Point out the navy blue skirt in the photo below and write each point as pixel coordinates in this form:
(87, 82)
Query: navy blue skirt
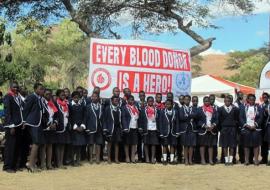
(267, 133)
(251, 138)
(131, 137)
(37, 135)
(151, 138)
(170, 140)
(50, 137)
(63, 138)
(228, 137)
(189, 138)
(208, 139)
(78, 138)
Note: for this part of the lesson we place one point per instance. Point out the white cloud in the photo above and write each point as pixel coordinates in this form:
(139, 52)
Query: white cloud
(262, 6)
(261, 33)
(212, 51)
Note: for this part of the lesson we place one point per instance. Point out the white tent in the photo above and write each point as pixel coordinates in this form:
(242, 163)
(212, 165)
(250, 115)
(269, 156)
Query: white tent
(208, 84)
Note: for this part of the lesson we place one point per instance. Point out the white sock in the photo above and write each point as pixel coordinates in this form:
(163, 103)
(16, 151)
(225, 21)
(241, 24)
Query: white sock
(230, 159)
(164, 157)
(268, 155)
(226, 159)
(171, 157)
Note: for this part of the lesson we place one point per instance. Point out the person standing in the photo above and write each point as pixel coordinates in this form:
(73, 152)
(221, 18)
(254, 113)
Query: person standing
(264, 148)
(13, 127)
(32, 114)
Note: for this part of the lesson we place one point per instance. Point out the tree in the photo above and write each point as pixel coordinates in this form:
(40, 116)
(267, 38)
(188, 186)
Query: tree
(196, 65)
(101, 17)
(250, 70)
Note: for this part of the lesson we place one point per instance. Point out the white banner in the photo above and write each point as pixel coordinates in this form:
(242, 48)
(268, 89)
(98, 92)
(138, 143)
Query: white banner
(138, 65)
(265, 77)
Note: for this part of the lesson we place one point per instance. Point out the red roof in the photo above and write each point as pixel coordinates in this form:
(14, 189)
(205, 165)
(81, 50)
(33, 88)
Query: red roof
(239, 87)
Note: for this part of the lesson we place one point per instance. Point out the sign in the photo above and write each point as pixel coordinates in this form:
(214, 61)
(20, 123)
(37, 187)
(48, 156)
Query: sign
(138, 65)
(265, 77)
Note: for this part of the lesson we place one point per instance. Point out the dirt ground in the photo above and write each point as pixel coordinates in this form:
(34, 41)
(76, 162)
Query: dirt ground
(141, 176)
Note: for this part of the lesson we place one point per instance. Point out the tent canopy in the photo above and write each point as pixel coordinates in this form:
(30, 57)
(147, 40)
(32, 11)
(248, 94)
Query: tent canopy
(209, 84)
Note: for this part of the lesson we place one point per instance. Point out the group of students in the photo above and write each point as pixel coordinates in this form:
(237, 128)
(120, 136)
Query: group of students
(47, 131)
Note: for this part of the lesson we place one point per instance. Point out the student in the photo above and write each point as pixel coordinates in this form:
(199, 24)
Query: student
(149, 129)
(116, 93)
(240, 104)
(212, 99)
(158, 103)
(130, 117)
(33, 113)
(140, 105)
(228, 123)
(251, 120)
(127, 93)
(112, 128)
(207, 123)
(1, 110)
(50, 121)
(62, 130)
(76, 120)
(188, 129)
(169, 130)
(195, 102)
(94, 132)
(170, 96)
(181, 100)
(67, 94)
(13, 127)
(264, 147)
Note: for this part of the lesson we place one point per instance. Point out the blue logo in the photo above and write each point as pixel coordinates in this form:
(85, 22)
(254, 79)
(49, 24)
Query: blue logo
(183, 81)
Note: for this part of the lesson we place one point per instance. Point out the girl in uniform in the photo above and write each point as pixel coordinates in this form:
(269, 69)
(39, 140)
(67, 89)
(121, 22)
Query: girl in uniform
(112, 128)
(50, 122)
(130, 116)
(76, 120)
(169, 130)
(62, 130)
(149, 129)
(228, 116)
(207, 123)
(250, 121)
(188, 129)
(32, 114)
(93, 122)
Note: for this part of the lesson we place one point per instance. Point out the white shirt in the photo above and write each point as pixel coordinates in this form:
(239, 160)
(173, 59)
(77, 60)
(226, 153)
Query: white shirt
(151, 124)
(134, 121)
(208, 118)
(250, 114)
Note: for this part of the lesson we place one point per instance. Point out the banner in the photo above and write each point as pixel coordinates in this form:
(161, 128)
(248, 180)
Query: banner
(265, 76)
(138, 65)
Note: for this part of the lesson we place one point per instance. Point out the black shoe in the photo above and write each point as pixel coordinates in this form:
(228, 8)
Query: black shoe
(10, 171)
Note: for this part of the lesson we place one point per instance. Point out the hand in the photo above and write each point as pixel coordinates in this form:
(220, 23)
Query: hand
(12, 131)
(53, 127)
(23, 126)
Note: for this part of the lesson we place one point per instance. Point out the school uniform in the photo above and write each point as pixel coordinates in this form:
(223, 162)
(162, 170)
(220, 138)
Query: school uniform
(251, 115)
(50, 117)
(169, 127)
(112, 127)
(188, 126)
(265, 133)
(228, 123)
(33, 113)
(76, 119)
(63, 128)
(130, 117)
(13, 119)
(149, 125)
(205, 119)
(93, 122)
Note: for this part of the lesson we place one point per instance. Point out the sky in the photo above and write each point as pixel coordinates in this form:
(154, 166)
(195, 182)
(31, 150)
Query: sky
(235, 33)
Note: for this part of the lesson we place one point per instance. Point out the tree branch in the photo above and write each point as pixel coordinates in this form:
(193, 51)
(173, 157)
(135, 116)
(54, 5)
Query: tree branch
(74, 17)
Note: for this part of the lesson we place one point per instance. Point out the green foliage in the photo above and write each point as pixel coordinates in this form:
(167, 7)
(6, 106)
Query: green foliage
(250, 69)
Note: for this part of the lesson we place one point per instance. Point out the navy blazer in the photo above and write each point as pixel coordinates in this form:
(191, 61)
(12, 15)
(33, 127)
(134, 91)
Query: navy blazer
(46, 120)
(33, 110)
(60, 114)
(226, 119)
(144, 121)
(202, 121)
(164, 123)
(188, 119)
(108, 120)
(13, 111)
(76, 114)
(91, 120)
(258, 117)
(126, 117)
